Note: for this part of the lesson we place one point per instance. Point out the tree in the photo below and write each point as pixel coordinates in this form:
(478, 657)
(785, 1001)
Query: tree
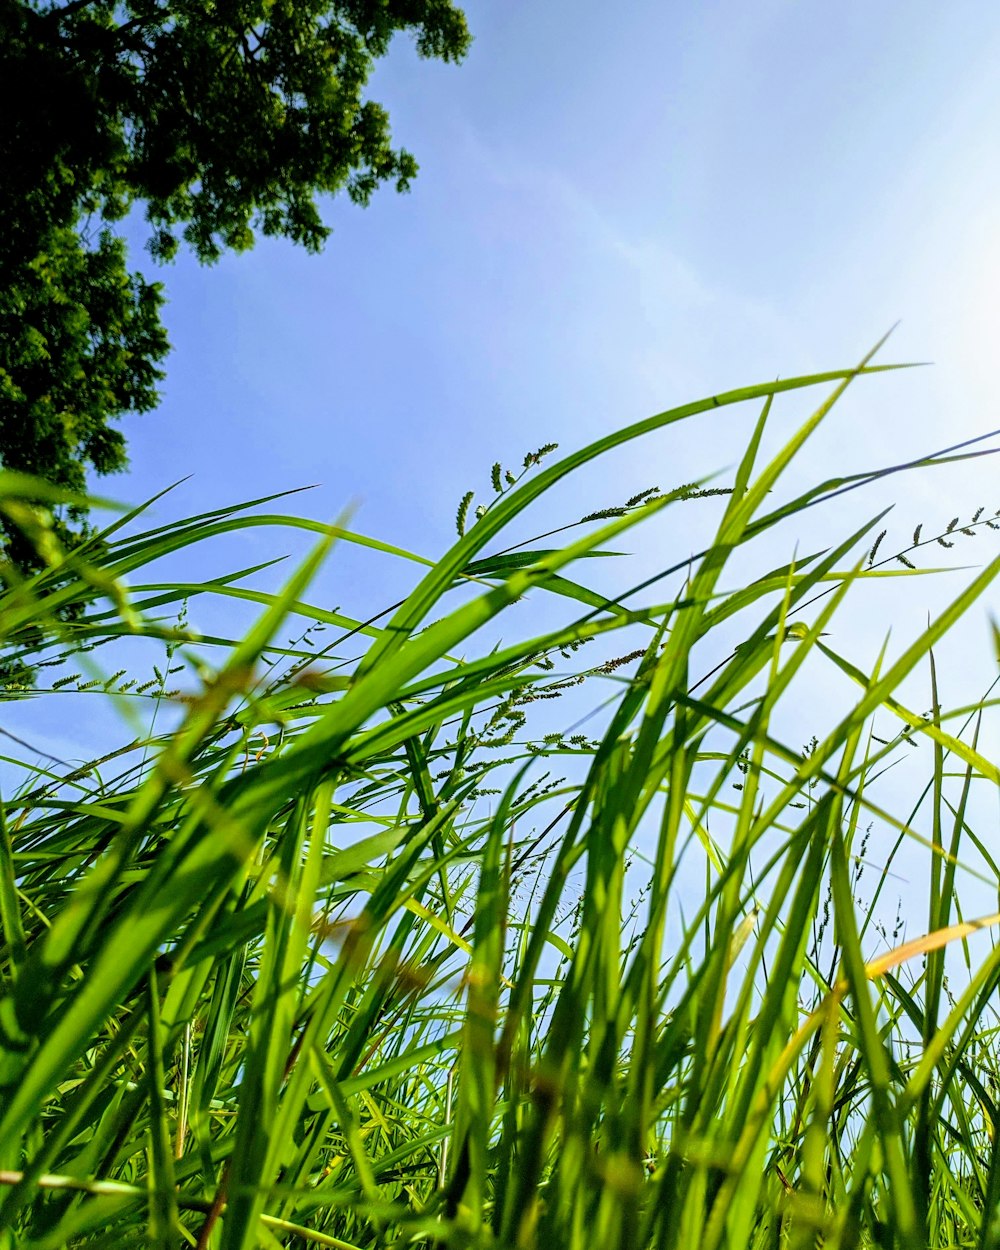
(224, 118)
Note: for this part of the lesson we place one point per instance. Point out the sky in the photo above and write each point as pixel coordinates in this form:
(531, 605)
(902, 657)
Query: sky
(619, 208)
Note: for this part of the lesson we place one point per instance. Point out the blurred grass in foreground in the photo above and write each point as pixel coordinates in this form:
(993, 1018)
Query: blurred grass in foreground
(337, 960)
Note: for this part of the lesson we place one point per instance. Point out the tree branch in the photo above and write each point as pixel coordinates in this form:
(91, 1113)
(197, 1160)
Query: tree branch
(67, 10)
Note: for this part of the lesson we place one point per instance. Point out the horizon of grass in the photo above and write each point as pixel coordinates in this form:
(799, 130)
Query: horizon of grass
(334, 957)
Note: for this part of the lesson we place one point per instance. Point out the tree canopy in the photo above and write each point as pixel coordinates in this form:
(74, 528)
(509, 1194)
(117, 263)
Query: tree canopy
(224, 118)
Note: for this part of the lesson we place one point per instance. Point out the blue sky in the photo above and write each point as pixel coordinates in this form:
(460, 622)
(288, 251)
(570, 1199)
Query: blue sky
(619, 208)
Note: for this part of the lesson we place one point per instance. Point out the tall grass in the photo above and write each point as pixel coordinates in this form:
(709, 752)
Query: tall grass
(347, 953)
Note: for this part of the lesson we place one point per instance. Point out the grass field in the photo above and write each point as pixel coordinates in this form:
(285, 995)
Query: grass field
(356, 951)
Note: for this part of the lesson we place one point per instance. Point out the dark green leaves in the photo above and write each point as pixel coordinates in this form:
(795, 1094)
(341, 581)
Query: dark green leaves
(224, 122)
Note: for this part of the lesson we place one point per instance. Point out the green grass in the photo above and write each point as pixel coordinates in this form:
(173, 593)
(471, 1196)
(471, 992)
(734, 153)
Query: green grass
(353, 950)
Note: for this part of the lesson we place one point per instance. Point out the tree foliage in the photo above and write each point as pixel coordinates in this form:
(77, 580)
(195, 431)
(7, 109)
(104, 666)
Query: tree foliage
(224, 118)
